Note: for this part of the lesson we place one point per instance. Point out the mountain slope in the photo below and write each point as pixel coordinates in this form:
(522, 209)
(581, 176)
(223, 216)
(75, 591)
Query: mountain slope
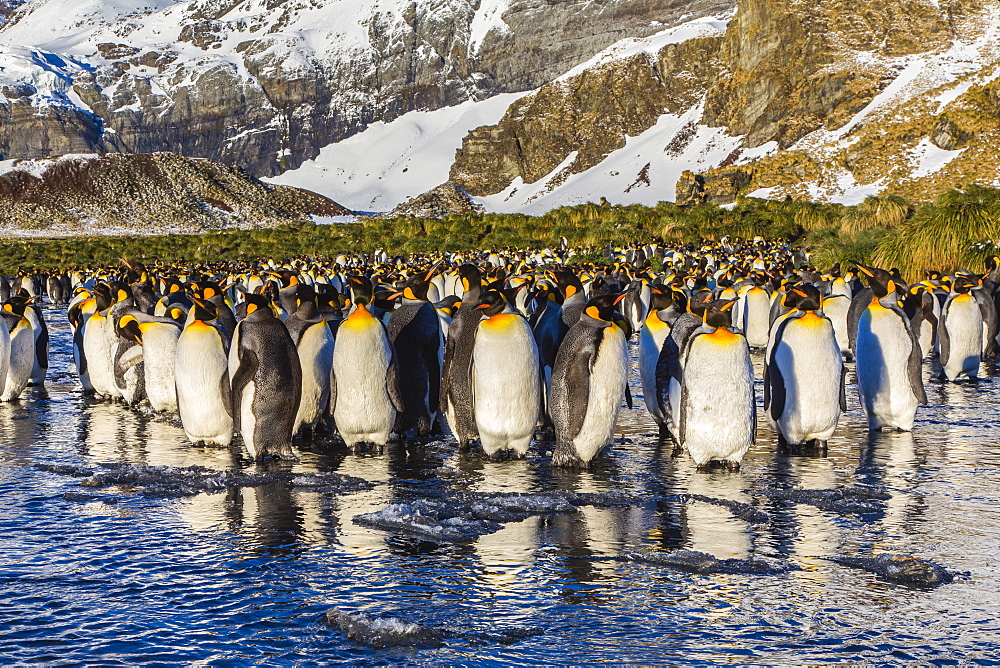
(265, 84)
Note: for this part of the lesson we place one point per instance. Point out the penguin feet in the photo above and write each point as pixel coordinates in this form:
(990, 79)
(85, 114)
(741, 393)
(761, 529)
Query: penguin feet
(733, 467)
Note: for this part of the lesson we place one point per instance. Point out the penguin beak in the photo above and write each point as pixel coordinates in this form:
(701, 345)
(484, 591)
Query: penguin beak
(865, 270)
(620, 297)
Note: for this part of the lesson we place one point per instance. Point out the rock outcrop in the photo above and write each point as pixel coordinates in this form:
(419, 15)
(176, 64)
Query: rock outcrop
(145, 194)
(445, 199)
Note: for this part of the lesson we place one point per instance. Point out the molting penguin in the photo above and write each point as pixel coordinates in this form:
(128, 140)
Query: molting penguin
(266, 379)
(456, 371)
(22, 349)
(315, 343)
(506, 386)
(888, 358)
(202, 378)
(961, 331)
(364, 392)
(416, 337)
(717, 416)
(158, 337)
(588, 383)
(803, 378)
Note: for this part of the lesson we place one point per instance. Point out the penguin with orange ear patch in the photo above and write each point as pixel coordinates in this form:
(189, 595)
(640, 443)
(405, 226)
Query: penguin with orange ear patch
(888, 357)
(505, 378)
(803, 378)
(588, 382)
(717, 416)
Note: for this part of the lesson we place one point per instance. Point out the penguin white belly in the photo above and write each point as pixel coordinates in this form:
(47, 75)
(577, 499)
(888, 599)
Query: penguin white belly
(719, 409)
(808, 358)
(506, 386)
(130, 367)
(882, 352)
(200, 367)
(607, 390)
(964, 322)
(4, 353)
(316, 356)
(38, 372)
(363, 412)
(835, 308)
(926, 337)
(756, 317)
(22, 356)
(651, 339)
(248, 421)
(111, 344)
(98, 354)
(160, 357)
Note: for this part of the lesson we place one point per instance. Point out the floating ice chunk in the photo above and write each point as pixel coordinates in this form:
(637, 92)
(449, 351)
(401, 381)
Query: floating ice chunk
(382, 632)
(901, 568)
(693, 561)
(858, 500)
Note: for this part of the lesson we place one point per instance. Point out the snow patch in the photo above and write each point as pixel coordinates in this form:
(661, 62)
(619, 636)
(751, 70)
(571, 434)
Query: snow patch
(926, 158)
(488, 18)
(389, 163)
(626, 48)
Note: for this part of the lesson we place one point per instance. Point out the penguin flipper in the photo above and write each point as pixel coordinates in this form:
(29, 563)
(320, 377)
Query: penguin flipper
(628, 396)
(913, 369)
(392, 384)
(944, 343)
(42, 345)
(774, 383)
(245, 371)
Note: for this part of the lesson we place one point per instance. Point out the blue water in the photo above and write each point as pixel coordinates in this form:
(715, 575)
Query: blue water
(246, 576)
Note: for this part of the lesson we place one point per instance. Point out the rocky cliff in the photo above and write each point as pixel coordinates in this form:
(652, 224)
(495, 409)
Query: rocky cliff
(144, 194)
(819, 99)
(265, 85)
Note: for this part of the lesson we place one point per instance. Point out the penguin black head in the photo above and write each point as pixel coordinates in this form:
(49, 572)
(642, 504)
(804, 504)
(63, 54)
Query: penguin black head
(415, 288)
(603, 308)
(204, 310)
(491, 303)
(103, 297)
(472, 279)
(698, 302)
(120, 292)
(362, 290)
(719, 313)
(660, 297)
(128, 328)
(15, 305)
(567, 282)
(305, 293)
(964, 284)
(448, 304)
(879, 280)
(808, 295)
(257, 304)
(285, 278)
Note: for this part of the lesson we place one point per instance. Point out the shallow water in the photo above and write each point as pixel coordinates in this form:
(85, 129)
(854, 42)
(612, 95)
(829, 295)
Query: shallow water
(246, 575)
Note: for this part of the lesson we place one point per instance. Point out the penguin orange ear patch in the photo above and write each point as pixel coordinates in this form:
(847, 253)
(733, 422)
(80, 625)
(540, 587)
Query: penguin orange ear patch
(593, 312)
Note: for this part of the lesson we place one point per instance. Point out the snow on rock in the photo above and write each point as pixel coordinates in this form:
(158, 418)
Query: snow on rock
(702, 27)
(388, 163)
(926, 158)
(644, 171)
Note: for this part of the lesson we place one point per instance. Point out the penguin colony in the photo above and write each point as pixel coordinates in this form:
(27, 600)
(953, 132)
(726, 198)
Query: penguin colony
(505, 346)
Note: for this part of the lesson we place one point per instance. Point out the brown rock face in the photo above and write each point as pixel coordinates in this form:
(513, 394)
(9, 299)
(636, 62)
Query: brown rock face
(445, 199)
(786, 66)
(591, 114)
(147, 193)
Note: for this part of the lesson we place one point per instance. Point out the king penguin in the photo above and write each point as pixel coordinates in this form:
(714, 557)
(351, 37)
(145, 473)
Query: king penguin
(364, 392)
(416, 337)
(22, 349)
(717, 416)
(201, 374)
(266, 379)
(888, 358)
(506, 388)
(456, 372)
(803, 377)
(588, 382)
(314, 342)
(961, 332)
(158, 337)
(652, 336)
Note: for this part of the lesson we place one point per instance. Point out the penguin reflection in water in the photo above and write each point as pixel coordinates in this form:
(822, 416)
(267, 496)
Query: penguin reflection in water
(588, 382)
(718, 413)
(266, 379)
